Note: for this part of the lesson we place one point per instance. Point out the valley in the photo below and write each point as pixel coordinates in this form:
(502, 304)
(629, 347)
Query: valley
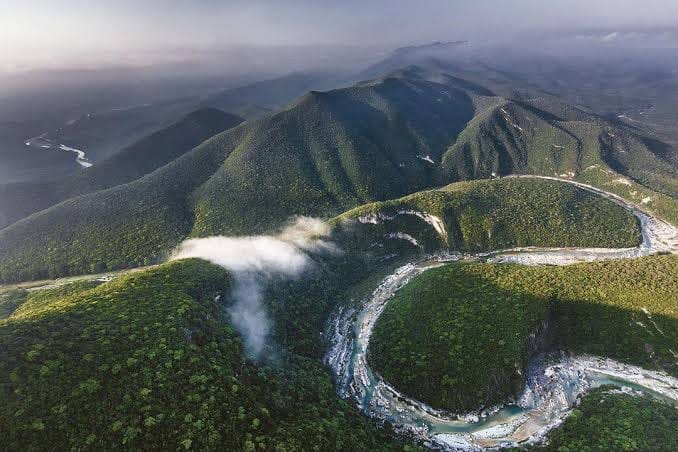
(459, 245)
(44, 143)
(324, 154)
(523, 423)
(553, 382)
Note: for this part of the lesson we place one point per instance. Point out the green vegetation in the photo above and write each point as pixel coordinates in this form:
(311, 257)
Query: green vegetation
(129, 225)
(605, 420)
(10, 301)
(480, 215)
(497, 214)
(469, 329)
(149, 361)
(332, 151)
(329, 152)
(146, 155)
(662, 205)
(547, 137)
(512, 138)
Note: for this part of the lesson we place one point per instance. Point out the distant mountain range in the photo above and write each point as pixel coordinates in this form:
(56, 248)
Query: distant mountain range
(458, 200)
(263, 97)
(21, 199)
(325, 153)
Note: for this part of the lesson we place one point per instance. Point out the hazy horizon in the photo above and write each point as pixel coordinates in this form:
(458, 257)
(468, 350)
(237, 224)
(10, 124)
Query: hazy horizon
(75, 34)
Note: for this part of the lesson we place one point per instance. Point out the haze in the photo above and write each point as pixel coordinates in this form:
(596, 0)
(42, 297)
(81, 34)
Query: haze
(67, 34)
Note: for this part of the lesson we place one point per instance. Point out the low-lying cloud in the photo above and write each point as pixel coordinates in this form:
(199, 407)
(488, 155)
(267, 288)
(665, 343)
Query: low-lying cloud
(253, 261)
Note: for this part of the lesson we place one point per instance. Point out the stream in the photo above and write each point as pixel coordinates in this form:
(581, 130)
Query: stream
(45, 143)
(553, 382)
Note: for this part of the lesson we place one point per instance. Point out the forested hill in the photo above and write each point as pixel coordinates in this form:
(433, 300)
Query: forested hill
(150, 361)
(545, 136)
(326, 153)
(154, 151)
(486, 215)
(329, 152)
(486, 318)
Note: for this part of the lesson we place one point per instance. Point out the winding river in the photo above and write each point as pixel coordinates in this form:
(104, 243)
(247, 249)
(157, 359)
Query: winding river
(45, 143)
(553, 382)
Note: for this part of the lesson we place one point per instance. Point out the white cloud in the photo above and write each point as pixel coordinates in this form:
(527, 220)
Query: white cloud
(252, 261)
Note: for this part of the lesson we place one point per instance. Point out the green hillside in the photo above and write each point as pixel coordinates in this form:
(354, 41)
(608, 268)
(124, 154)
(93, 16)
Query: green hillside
(470, 329)
(149, 361)
(332, 151)
(606, 420)
(490, 215)
(477, 216)
(325, 154)
(329, 152)
(20, 200)
(512, 138)
(546, 137)
(129, 225)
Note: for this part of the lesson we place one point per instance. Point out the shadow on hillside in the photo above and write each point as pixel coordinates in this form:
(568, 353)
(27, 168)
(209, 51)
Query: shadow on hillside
(473, 339)
(629, 336)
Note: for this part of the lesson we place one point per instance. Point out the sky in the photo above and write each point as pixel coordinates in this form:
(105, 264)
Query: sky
(65, 33)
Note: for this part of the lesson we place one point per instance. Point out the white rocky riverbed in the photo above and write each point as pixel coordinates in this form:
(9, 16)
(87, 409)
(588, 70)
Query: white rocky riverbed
(553, 383)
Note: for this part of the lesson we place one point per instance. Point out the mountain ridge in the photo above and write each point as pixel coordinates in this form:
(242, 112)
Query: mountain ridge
(19, 200)
(325, 153)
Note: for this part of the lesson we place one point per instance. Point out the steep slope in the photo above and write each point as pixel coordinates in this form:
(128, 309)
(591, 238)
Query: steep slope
(490, 319)
(327, 153)
(544, 136)
(632, 93)
(487, 215)
(150, 361)
(511, 138)
(332, 151)
(20, 200)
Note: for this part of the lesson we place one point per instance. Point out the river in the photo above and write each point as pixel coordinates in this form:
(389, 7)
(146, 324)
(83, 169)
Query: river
(553, 382)
(43, 142)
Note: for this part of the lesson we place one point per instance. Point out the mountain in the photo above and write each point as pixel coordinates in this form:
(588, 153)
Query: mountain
(165, 330)
(544, 136)
(326, 153)
(492, 319)
(485, 215)
(468, 253)
(103, 133)
(20, 200)
(329, 152)
(151, 361)
(636, 89)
